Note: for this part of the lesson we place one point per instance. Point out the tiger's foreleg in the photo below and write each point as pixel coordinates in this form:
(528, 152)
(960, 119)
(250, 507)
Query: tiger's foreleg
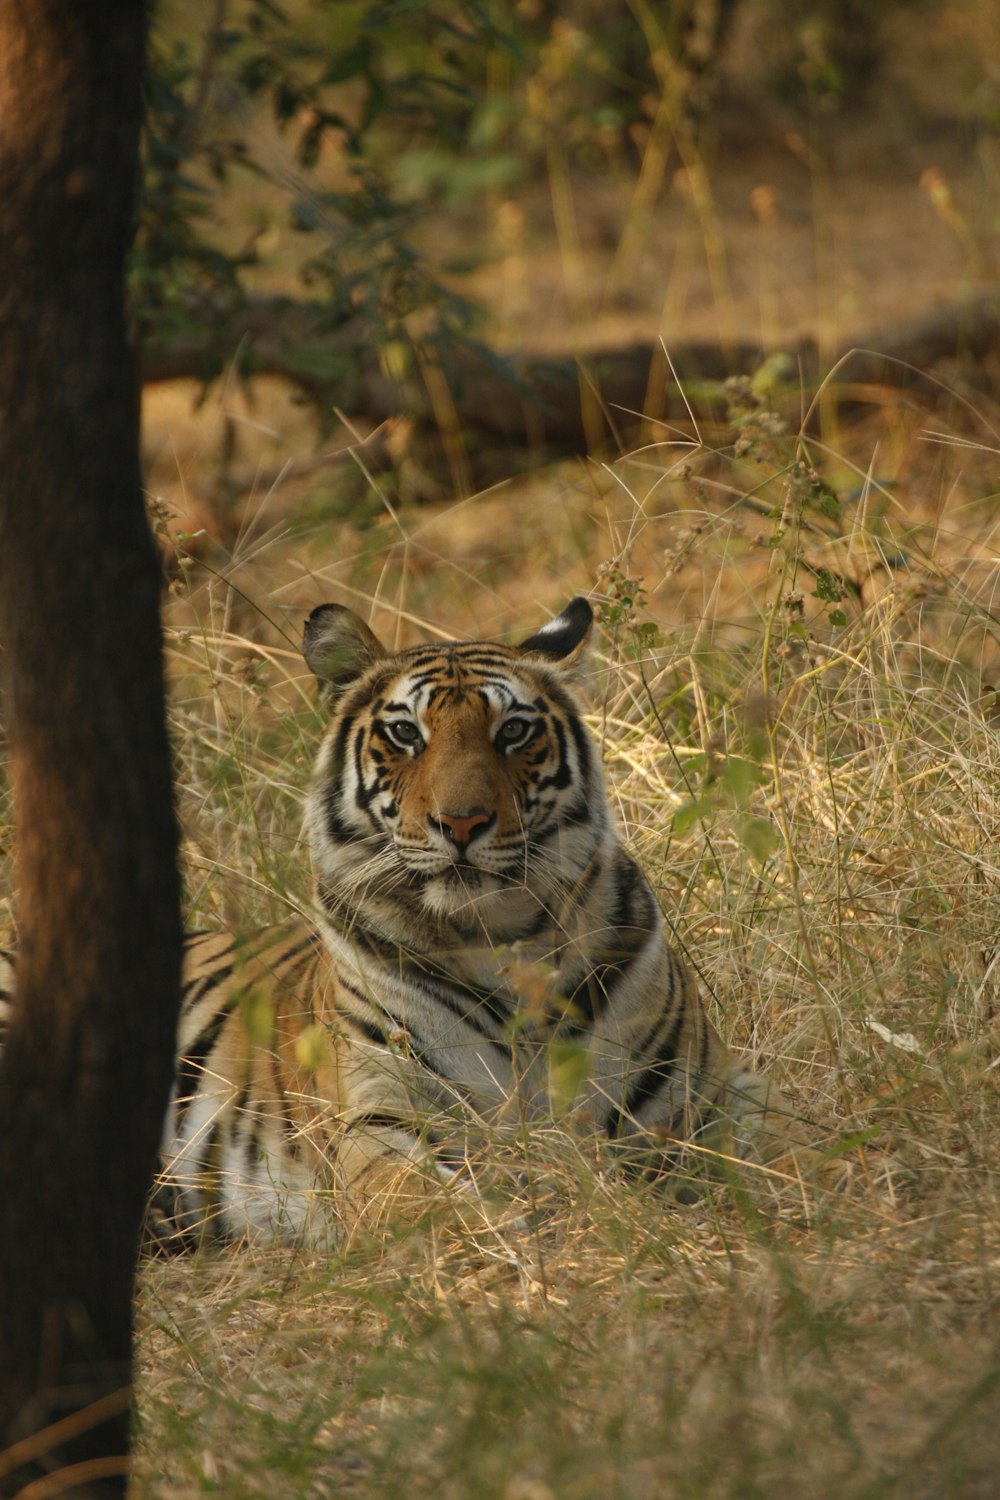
(402, 1150)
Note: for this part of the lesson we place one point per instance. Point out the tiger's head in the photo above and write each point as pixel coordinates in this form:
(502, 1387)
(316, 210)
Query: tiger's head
(454, 779)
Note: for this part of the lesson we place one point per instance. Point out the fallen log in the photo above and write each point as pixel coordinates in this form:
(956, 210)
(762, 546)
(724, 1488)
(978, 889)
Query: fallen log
(481, 414)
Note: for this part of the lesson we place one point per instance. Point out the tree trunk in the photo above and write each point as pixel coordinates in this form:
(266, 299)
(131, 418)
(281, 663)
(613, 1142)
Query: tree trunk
(85, 1077)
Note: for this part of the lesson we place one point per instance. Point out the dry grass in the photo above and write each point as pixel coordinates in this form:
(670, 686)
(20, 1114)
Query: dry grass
(812, 784)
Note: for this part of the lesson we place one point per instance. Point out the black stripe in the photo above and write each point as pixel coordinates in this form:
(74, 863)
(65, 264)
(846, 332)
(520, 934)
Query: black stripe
(592, 996)
(583, 742)
(383, 1121)
(297, 962)
(363, 797)
(432, 660)
(284, 1109)
(245, 955)
(190, 1065)
(446, 1152)
(348, 925)
(647, 1083)
(704, 1047)
(626, 877)
(339, 831)
(368, 1028)
(562, 775)
(454, 995)
(577, 813)
(418, 1046)
(197, 988)
(649, 1080)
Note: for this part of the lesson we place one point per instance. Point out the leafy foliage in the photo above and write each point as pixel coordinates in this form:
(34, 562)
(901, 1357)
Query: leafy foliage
(362, 118)
(328, 76)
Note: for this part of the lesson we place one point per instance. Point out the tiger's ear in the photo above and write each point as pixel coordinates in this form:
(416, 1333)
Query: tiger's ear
(338, 646)
(565, 638)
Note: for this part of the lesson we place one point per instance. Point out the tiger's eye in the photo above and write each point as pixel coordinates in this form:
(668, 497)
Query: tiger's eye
(512, 731)
(403, 731)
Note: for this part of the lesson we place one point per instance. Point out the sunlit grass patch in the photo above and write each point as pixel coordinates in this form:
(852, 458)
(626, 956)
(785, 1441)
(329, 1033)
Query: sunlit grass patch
(794, 688)
(625, 1349)
(807, 766)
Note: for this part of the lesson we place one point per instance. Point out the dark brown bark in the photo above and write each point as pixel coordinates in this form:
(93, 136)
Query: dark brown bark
(85, 1077)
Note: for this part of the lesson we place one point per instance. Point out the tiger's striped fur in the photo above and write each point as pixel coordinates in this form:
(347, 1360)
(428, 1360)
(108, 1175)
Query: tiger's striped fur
(461, 839)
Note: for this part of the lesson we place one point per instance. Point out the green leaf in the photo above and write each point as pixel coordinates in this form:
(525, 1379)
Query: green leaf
(648, 635)
(740, 776)
(258, 1016)
(689, 813)
(776, 371)
(759, 837)
(310, 1047)
(348, 62)
(396, 360)
(827, 587)
(569, 1069)
(324, 364)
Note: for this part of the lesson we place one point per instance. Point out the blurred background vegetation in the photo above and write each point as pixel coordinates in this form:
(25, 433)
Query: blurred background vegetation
(390, 204)
(354, 132)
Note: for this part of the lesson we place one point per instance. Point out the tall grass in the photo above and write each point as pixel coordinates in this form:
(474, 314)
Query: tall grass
(797, 716)
(794, 692)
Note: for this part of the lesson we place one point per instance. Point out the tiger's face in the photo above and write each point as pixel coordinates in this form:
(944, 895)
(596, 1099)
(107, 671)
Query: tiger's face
(457, 778)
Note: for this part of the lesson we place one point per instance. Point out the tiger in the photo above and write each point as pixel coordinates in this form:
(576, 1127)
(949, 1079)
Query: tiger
(474, 909)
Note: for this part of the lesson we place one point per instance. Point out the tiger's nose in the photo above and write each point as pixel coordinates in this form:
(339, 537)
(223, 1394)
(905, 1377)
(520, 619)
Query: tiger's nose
(462, 830)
